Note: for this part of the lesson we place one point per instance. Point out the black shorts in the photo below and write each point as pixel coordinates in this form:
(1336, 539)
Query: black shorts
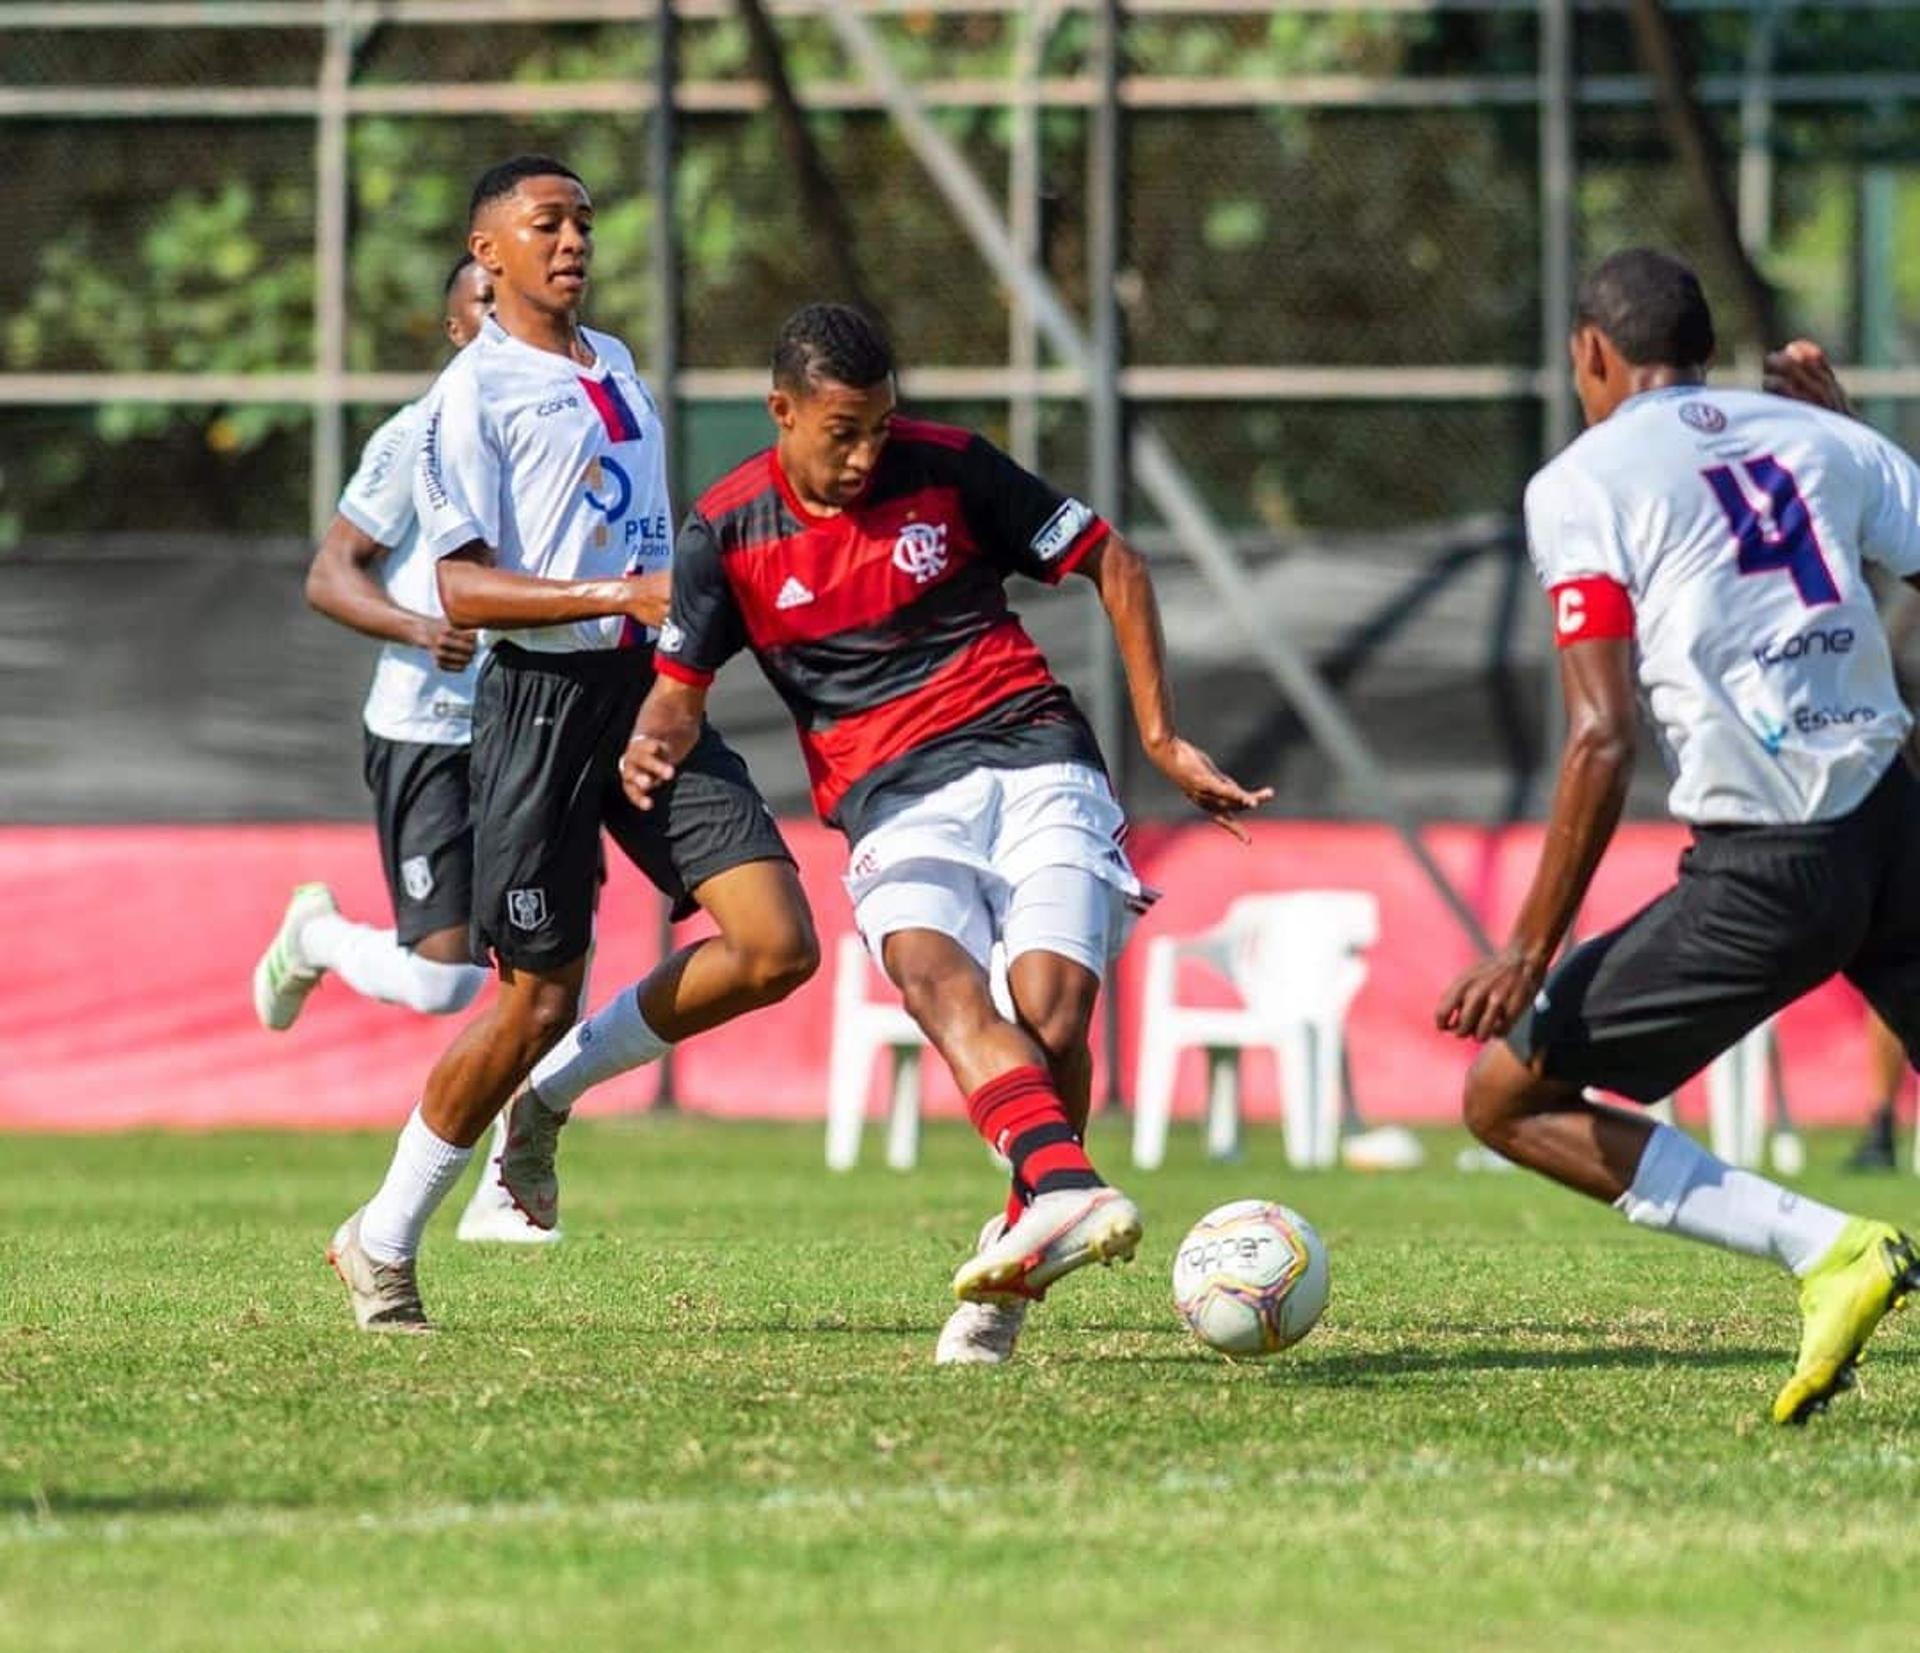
(1760, 916)
(548, 731)
(421, 811)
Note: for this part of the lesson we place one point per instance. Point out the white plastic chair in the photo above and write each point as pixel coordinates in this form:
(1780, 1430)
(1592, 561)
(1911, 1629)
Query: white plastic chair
(863, 1027)
(1295, 961)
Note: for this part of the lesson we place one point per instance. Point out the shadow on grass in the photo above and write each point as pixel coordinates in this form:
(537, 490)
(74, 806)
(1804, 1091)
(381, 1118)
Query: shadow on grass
(50, 1503)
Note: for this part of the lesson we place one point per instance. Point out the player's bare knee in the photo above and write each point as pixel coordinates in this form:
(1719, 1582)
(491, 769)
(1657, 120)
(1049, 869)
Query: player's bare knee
(543, 1015)
(1061, 1031)
(1495, 1095)
(778, 965)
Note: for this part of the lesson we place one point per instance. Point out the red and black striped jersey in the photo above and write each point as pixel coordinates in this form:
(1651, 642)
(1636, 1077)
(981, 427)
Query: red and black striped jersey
(886, 628)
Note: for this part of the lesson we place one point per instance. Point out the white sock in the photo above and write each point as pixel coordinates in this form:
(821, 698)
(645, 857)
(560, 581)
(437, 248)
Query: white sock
(610, 1041)
(424, 1168)
(1679, 1185)
(374, 964)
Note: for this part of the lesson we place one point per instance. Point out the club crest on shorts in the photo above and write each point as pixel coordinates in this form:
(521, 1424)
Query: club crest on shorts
(921, 550)
(527, 909)
(416, 877)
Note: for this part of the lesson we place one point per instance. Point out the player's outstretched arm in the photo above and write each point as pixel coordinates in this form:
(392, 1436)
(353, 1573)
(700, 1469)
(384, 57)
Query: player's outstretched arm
(476, 594)
(1801, 370)
(664, 732)
(341, 585)
(1597, 677)
(1119, 574)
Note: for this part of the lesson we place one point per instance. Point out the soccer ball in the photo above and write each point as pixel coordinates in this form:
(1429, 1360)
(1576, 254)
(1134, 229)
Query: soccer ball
(1250, 1278)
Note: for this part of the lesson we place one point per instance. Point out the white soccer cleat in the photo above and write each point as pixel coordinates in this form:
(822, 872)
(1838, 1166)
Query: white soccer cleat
(284, 977)
(1061, 1232)
(527, 1173)
(385, 1296)
(982, 1334)
(491, 1217)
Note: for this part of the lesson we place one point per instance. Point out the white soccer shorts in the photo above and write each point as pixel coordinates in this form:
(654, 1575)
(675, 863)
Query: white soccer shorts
(1027, 857)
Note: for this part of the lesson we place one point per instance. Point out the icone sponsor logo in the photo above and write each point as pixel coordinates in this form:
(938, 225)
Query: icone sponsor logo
(1806, 645)
(1062, 528)
(555, 404)
(1811, 720)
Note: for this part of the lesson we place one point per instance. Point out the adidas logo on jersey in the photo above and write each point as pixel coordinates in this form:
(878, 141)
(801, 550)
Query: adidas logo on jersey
(793, 594)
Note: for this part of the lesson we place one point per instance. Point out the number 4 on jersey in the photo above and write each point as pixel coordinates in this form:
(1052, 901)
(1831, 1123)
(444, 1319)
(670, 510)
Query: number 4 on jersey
(1785, 543)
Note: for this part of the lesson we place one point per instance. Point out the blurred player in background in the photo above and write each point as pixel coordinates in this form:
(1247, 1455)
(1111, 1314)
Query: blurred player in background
(1712, 543)
(863, 560)
(372, 576)
(542, 493)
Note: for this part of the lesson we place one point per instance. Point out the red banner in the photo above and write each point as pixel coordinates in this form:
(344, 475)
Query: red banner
(125, 999)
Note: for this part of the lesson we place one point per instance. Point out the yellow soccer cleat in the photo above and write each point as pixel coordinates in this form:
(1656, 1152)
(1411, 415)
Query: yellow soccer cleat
(1867, 1274)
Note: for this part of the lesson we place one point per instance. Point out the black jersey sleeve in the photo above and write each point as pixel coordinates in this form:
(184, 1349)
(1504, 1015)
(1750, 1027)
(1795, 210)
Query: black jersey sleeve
(1020, 521)
(704, 629)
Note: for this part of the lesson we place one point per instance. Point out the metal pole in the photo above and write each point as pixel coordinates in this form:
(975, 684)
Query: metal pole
(1756, 131)
(1879, 263)
(1106, 435)
(1159, 474)
(1558, 230)
(330, 265)
(663, 139)
(1023, 214)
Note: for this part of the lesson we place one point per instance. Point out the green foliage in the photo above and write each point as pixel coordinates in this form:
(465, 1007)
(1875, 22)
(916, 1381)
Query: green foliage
(710, 1420)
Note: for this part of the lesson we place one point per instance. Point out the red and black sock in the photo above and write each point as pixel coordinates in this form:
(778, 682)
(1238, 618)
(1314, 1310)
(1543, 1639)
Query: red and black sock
(1021, 1116)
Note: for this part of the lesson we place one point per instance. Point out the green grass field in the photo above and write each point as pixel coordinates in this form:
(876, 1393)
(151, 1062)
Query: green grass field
(710, 1421)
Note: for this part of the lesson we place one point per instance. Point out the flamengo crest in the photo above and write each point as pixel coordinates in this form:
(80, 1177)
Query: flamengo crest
(921, 550)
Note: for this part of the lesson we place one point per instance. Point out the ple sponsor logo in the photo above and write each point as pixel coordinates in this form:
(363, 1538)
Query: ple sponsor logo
(527, 908)
(1806, 645)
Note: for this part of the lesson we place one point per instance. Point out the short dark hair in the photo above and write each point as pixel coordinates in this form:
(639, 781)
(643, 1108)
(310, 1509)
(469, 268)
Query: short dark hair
(502, 180)
(453, 275)
(830, 342)
(1651, 306)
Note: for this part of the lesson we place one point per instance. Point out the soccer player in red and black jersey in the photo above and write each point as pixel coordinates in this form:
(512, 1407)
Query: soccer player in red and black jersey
(863, 559)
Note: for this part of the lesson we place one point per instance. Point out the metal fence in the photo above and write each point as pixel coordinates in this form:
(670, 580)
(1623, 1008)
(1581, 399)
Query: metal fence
(1324, 250)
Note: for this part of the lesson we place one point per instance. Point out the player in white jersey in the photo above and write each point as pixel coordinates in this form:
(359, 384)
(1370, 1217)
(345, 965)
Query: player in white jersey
(371, 574)
(542, 493)
(1710, 544)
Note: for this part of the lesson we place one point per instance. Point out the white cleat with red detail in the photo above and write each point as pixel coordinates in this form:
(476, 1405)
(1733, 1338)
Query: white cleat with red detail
(526, 1160)
(982, 1334)
(1060, 1232)
(491, 1217)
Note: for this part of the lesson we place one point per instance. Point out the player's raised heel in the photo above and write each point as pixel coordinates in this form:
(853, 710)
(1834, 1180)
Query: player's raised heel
(1060, 1232)
(1871, 1270)
(284, 976)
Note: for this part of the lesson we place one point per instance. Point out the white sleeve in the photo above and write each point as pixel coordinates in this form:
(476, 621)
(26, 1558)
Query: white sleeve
(1572, 530)
(457, 481)
(379, 499)
(1889, 504)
